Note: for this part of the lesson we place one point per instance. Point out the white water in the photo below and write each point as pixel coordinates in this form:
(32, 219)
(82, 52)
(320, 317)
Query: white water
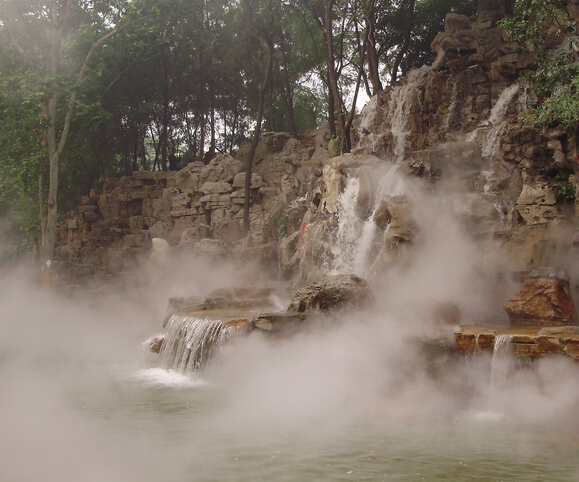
(357, 232)
(190, 342)
(501, 366)
(496, 122)
(402, 101)
(453, 105)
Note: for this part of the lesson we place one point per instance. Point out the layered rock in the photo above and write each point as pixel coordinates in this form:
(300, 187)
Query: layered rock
(545, 299)
(335, 293)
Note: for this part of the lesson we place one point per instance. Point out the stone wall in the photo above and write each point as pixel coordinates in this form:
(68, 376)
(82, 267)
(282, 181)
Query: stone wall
(198, 209)
(459, 125)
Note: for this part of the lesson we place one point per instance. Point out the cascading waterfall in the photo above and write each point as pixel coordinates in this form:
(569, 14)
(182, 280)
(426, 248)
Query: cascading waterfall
(452, 107)
(501, 365)
(497, 121)
(357, 233)
(400, 108)
(190, 342)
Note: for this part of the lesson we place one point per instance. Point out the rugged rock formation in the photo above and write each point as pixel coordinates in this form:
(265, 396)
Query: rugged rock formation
(336, 293)
(545, 299)
(531, 343)
(458, 128)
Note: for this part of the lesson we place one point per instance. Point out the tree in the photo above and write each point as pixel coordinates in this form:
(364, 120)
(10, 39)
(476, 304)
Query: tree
(71, 33)
(546, 29)
(259, 18)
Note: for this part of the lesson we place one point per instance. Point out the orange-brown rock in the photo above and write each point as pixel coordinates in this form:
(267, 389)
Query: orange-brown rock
(545, 299)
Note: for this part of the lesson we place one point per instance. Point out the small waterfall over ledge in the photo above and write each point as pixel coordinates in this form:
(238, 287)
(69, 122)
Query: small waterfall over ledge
(190, 342)
(501, 366)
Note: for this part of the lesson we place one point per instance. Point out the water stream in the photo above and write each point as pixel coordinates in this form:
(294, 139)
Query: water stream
(501, 366)
(357, 235)
(190, 342)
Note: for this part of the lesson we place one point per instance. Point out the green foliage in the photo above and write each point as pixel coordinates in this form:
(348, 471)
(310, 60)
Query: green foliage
(561, 109)
(556, 78)
(567, 192)
(278, 222)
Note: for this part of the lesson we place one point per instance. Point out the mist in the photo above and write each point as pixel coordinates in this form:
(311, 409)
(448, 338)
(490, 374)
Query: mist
(74, 407)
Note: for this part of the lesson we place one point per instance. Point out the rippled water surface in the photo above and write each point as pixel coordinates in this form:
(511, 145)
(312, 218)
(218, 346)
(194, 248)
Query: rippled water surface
(165, 426)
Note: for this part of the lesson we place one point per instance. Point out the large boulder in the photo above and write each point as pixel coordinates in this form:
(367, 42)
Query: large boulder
(335, 293)
(545, 299)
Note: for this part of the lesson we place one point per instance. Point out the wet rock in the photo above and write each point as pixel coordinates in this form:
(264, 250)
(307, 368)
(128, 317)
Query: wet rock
(156, 343)
(340, 292)
(545, 299)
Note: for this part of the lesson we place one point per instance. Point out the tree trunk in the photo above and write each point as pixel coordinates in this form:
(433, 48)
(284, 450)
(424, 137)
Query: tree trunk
(373, 65)
(256, 134)
(54, 149)
(332, 75)
(49, 237)
(406, 45)
(288, 92)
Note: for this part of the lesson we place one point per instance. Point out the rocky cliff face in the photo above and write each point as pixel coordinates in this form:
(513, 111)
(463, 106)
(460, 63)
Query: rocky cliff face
(450, 139)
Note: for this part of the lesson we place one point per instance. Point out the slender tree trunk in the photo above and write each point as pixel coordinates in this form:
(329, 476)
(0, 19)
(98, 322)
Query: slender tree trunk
(406, 45)
(348, 124)
(165, 133)
(42, 214)
(212, 105)
(332, 75)
(288, 93)
(373, 65)
(256, 134)
(49, 237)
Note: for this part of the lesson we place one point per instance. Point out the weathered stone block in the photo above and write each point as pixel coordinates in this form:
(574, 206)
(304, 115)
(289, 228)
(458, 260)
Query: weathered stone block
(545, 299)
(216, 188)
(239, 181)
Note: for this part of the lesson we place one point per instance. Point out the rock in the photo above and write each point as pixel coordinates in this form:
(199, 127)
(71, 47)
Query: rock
(545, 299)
(160, 253)
(447, 313)
(396, 212)
(239, 181)
(221, 169)
(536, 204)
(156, 343)
(210, 248)
(340, 292)
(228, 230)
(216, 188)
(161, 229)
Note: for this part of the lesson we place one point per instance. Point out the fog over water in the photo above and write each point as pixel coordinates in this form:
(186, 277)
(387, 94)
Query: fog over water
(82, 400)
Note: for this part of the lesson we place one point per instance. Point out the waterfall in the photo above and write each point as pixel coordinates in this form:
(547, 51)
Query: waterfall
(452, 107)
(501, 365)
(190, 342)
(402, 104)
(357, 233)
(497, 121)
(354, 234)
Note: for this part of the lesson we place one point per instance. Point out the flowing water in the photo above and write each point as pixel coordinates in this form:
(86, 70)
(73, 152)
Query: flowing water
(357, 236)
(190, 342)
